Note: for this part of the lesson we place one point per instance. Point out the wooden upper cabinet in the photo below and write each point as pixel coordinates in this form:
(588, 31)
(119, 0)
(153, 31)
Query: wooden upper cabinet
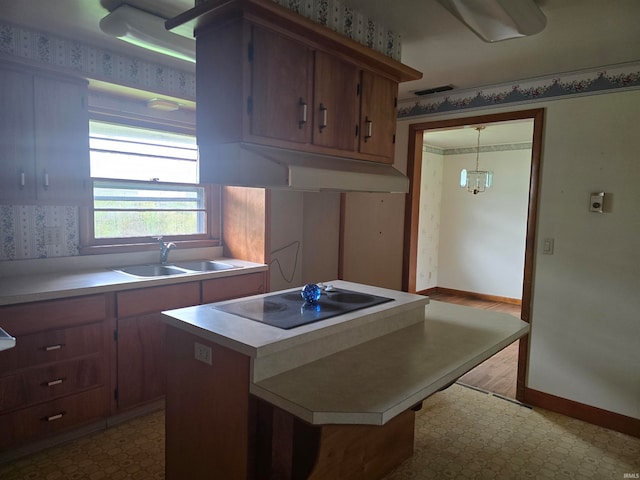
(269, 76)
(378, 116)
(281, 73)
(44, 134)
(336, 102)
(61, 141)
(16, 137)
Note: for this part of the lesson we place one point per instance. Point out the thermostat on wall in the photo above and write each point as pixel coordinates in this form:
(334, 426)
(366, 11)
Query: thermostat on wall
(596, 202)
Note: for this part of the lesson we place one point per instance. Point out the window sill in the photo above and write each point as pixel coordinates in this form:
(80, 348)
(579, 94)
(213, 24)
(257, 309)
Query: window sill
(144, 247)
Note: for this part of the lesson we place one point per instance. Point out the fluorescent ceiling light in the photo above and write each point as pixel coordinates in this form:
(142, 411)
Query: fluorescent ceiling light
(495, 20)
(146, 30)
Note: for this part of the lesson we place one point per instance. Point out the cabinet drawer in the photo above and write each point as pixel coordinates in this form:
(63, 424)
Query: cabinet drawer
(27, 318)
(52, 417)
(52, 346)
(156, 299)
(219, 289)
(45, 383)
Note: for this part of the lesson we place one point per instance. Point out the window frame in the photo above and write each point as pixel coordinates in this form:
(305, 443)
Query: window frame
(213, 197)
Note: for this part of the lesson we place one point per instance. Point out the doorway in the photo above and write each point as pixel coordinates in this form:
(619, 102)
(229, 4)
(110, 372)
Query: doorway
(414, 171)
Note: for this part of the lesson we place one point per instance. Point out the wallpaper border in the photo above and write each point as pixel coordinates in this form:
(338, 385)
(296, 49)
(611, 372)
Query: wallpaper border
(586, 82)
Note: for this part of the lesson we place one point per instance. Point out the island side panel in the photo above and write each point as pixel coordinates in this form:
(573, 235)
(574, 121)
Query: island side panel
(207, 411)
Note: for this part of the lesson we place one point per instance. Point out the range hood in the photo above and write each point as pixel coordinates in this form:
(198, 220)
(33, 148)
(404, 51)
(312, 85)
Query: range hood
(251, 165)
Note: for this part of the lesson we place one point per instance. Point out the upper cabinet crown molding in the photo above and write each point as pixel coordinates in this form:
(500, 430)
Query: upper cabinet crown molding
(269, 76)
(214, 12)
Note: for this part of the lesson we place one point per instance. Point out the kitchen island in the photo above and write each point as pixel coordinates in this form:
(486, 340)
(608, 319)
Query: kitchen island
(330, 399)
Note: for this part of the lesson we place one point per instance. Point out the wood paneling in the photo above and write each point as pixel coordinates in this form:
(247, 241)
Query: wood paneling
(207, 413)
(245, 220)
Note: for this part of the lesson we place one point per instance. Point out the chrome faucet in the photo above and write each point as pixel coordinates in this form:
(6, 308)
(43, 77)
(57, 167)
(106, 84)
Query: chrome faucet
(165, 248)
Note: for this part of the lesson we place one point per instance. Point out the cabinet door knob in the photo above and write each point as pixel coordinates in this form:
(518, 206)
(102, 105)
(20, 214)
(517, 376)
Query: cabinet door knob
(22, 179)
(323, 117)
(303, 113)
(45, 183)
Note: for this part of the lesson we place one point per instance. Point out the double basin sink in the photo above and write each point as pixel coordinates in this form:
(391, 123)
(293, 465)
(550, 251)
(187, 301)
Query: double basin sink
(178, 268)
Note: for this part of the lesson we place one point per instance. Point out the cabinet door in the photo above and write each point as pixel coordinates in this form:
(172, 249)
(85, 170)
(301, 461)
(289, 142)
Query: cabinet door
(141, 339)
(378, 116)
(281, 87)
(141, 359)
(336, 103)
(61, 141)
(16, 137)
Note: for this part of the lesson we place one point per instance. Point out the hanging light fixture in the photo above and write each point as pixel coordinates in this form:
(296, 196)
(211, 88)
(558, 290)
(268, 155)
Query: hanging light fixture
(476, 181)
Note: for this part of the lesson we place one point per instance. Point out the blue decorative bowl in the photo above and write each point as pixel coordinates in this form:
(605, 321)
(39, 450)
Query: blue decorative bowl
(311, 293)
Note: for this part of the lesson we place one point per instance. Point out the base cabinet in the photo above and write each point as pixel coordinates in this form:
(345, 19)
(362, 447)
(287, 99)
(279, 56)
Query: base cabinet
(56, 377)
(216, 429)
(140, 340)
(79, 360)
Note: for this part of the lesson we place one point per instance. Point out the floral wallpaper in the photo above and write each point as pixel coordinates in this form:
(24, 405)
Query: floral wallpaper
(22, 231)
(95, 62)
(605, 79)
(345, 20)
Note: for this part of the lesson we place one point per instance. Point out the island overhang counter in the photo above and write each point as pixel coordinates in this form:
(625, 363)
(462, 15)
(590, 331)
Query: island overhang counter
(262, 401)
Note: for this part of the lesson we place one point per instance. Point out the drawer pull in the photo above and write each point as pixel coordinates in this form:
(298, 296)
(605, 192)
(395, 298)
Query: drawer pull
(53, 382)
(51, 348)
(55, 417)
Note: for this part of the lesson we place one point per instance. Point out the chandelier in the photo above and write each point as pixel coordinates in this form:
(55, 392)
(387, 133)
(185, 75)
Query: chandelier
(476, 181)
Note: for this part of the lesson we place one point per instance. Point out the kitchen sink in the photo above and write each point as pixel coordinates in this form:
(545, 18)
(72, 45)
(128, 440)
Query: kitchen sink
(206, 266)
(157, 270)
(152, 270)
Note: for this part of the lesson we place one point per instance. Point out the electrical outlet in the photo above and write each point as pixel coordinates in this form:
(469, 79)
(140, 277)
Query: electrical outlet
(53, 236)
(547, 246)
(202, 353)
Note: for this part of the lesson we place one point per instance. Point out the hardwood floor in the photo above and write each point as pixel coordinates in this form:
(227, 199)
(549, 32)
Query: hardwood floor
(497, 374)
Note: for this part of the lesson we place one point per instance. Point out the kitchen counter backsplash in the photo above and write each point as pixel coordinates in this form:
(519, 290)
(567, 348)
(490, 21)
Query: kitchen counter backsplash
(23, 227)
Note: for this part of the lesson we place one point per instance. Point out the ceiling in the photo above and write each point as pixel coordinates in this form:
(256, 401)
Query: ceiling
(580, 34)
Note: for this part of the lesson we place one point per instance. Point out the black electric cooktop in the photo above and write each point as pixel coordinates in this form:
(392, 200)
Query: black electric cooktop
(288, 310)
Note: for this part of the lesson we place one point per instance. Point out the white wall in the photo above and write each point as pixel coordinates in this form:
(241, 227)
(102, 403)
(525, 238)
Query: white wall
(585, 342)
(482, 237)
(585, 319)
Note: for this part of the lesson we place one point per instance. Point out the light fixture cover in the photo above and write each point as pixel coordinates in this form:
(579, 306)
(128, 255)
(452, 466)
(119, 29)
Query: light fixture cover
(496, 20)
(147, 31)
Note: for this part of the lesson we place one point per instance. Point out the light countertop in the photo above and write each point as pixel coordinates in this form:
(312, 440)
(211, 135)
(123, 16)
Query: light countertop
(360, 368)
(379, 379)
(51, 285)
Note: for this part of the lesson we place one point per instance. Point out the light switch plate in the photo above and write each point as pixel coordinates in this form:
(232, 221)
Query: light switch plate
(596, 202)
(547, 246)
